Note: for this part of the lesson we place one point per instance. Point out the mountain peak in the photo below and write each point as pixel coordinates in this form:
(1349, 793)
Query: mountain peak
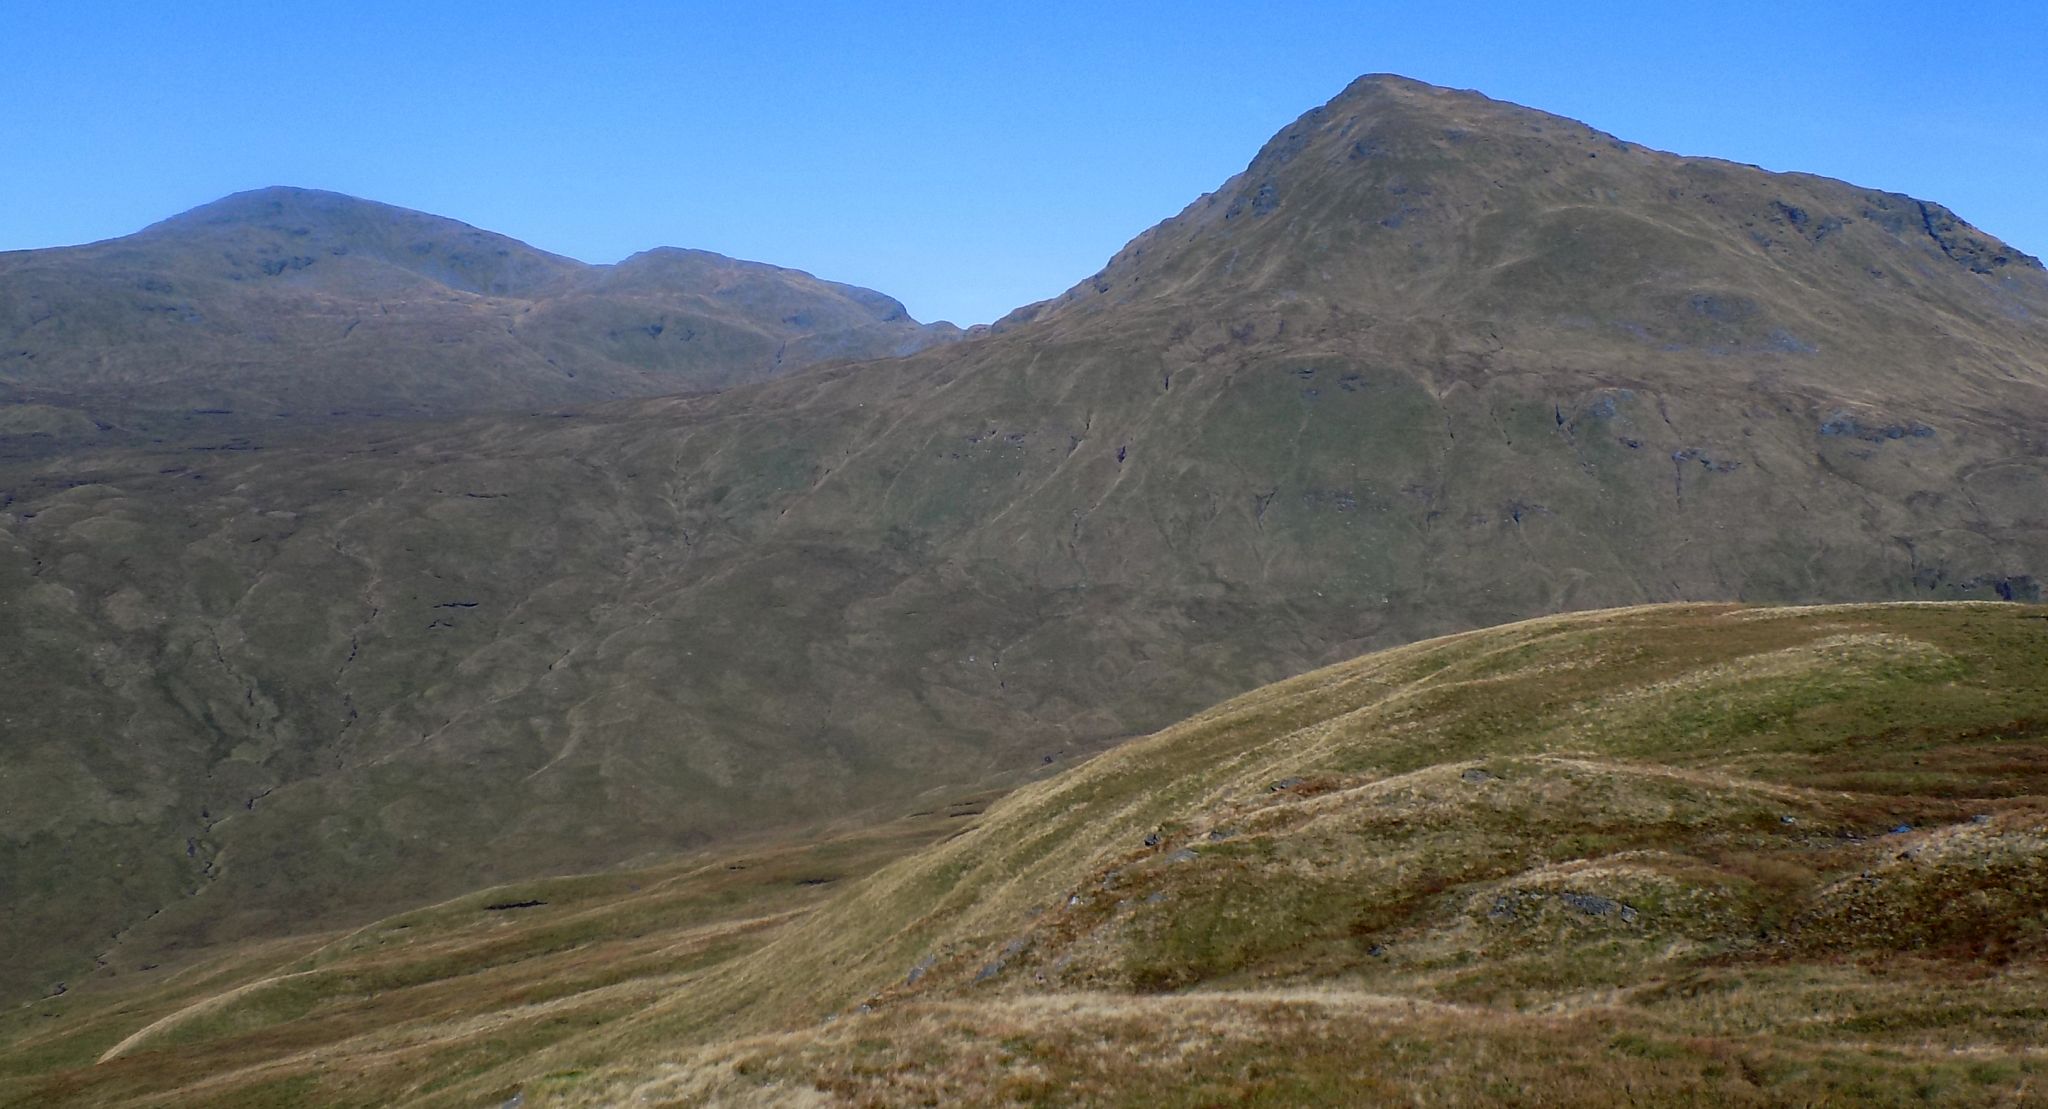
(285, 300)
(323, 237)
(1401, 89)
(1402, 199)
(273, 200)
(302, 211)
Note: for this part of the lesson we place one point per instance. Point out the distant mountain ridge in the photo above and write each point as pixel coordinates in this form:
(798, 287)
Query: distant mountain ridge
(1433, 362)
(297, 303)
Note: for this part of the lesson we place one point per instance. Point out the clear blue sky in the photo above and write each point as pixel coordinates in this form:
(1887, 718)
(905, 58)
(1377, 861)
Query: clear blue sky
(964, 157)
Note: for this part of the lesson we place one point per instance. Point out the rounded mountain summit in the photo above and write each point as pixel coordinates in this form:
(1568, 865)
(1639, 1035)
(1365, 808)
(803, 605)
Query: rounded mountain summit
(297, 304)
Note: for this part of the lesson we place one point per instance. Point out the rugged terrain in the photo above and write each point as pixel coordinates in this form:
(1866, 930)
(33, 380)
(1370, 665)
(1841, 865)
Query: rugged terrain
(285, 307)
(1664, 855)
(1431, 363)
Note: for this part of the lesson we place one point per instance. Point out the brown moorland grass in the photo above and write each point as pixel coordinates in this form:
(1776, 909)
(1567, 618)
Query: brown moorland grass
(1662, 855)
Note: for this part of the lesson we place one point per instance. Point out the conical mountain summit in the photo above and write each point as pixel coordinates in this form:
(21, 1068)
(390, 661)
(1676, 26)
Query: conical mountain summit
(1425, 216)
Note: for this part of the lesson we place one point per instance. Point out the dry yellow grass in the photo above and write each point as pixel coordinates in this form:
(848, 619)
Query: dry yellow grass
(1659, 856)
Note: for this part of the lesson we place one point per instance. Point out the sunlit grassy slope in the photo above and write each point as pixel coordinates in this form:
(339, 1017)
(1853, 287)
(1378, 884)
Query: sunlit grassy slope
(1654, 855)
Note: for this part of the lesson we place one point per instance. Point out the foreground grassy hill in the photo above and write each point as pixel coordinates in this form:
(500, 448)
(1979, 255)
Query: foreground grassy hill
(1433, 362)
(281, 307)
(1661, 855)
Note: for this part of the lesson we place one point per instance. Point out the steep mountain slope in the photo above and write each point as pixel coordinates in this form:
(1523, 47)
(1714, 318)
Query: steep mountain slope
(1671, 855)
(294, 303)
(1432, 363)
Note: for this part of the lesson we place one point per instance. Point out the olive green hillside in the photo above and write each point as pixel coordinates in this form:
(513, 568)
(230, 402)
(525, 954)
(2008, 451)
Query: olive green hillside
(280, 307)
(1433, 363)
(1659, 855)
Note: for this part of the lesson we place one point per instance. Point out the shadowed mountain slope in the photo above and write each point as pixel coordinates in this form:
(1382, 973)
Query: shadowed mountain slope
(1675, 855)
(311, 305)
(1433, 362)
